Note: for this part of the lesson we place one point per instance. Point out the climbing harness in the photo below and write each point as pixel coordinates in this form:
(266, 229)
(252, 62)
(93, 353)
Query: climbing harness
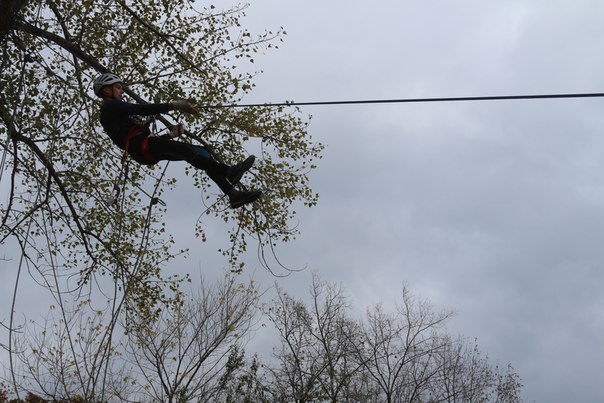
(145, 158)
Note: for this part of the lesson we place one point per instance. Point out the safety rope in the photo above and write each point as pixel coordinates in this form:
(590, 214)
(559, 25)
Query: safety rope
(5, 152)
(21, 92)
(411, 100)
(3, 161)
(115, 308)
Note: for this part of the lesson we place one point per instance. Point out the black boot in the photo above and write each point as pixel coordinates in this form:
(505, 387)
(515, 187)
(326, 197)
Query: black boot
(235, 172)
(239, 198)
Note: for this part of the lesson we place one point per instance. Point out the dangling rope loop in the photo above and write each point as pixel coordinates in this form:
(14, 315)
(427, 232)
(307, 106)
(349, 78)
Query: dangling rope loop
(121, 178)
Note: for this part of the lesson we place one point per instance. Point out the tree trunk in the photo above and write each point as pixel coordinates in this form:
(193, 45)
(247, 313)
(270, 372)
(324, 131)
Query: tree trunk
(9, 9)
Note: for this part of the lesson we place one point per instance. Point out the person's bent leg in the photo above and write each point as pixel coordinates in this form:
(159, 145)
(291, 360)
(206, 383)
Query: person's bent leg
(225, 179)
(234, 172)
(200, 158)
(170, 150)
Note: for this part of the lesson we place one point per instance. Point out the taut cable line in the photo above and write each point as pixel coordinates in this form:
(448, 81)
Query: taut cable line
(411, 100)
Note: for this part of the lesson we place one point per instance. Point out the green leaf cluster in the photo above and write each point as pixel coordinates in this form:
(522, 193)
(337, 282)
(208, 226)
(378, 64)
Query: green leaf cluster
(61, 167)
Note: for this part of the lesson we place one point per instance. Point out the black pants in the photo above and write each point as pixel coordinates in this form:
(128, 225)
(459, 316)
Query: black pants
(164, 149)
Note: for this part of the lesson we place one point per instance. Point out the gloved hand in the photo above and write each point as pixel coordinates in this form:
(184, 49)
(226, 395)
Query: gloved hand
(183, 106)
(177, 130)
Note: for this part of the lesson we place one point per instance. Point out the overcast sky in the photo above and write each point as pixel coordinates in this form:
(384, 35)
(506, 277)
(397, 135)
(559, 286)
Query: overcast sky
(493, 209)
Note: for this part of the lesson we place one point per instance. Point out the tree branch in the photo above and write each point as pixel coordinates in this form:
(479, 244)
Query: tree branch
(163, 36)
(64, 43)
(8, 10)
(17, 137)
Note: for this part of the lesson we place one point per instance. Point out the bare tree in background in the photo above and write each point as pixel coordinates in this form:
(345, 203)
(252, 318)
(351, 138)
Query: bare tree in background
(67, 356)
(295, 378)
(331, 330)
(243, 380)
(397, 349)
(401, 356)
(315, 356)
(182, 355)
(187, 353)
(195, 353)
(465, 375)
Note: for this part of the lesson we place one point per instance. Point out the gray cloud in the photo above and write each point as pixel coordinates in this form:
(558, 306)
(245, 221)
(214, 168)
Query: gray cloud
(492, 209)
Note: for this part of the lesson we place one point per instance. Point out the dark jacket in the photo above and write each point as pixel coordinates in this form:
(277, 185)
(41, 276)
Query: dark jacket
(118, 118)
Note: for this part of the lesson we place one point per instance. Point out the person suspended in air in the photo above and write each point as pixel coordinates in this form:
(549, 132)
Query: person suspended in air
(123, 123)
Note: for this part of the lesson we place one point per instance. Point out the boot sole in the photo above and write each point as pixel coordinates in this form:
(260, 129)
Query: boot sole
(246, 200)
(245, 166)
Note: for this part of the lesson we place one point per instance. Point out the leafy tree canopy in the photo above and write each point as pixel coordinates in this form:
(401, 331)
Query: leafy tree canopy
(59, 166)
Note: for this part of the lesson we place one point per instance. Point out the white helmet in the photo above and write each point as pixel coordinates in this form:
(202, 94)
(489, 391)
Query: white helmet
(103, 80)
